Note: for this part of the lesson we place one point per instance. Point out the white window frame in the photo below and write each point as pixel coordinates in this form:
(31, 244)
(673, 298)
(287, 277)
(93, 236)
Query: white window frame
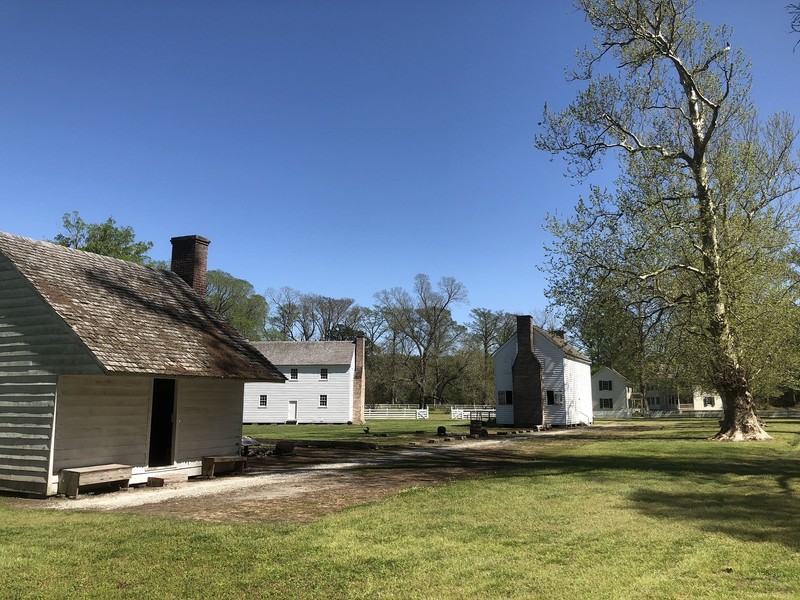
(323, 374)
(262, 401)
(323, 401)
(294, 374)
(605, 385)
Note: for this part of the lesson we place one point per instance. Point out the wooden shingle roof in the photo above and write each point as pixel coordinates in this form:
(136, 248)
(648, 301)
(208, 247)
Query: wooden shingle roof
(307, 353)
(567, 348)
(135, 319)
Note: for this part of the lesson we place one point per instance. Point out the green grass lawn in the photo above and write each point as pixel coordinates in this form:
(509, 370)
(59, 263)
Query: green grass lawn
(638, 510)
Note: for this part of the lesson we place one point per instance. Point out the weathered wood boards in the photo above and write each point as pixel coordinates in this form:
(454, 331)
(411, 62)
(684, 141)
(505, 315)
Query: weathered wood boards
(71, 480)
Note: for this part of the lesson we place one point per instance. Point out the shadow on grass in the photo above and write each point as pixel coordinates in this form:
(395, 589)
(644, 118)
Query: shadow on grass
(760, 517)
(750, 512)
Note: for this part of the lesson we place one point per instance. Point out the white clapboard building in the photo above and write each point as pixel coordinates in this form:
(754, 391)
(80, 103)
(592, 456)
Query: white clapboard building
(324, 384)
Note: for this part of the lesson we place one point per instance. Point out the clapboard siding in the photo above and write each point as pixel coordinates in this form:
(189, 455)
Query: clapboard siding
(552, 359)
(35, 346)
(102, 420)
(26, 424)
(578, 396)
(503, 379)
(209, 418)
(305, 390)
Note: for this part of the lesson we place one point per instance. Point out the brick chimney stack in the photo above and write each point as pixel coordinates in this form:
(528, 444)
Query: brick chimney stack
(526, 373)
(190, 261)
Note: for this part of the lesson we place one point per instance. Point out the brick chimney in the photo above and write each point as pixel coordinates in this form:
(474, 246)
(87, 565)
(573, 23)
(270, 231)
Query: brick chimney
(190, 261)
(526, 373)
(359, 383)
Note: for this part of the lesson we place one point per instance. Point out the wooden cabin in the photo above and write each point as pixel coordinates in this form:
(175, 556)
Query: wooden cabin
(324, 384)
(104, 361)
(541, 379)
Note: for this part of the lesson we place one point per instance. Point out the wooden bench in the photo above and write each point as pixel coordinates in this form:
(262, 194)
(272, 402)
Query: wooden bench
(70, 480)
(210, 463)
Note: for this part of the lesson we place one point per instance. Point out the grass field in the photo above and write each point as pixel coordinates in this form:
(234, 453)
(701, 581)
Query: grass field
(646, 509)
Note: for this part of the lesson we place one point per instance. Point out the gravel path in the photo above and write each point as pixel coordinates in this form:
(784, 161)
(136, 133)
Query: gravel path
(291, 482)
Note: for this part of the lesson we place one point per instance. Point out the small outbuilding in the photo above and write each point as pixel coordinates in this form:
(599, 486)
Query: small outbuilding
(107, 362)
(324, 384)
(541, 379)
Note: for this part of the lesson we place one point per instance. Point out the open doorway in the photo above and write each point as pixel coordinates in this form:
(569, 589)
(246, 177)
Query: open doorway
(162, 419)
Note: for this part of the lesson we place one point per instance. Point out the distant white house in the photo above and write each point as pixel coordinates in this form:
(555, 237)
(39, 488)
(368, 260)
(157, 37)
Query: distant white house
(324, 384)
(541, 379)
(610, 390)
(670, 399)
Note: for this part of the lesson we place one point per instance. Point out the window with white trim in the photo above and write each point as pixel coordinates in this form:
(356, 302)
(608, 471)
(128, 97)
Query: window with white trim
(323, 401)
(293, 374)
(605, 385)
(709, 401)
(323, 374)
(262, 401)
(606, 403)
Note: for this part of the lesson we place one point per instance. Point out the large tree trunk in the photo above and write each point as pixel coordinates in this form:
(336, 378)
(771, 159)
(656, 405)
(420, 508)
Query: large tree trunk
(739, 422)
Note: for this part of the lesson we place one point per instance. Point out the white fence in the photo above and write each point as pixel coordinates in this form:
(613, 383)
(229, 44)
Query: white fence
(473, 412)
(395, 411)
(627, 413)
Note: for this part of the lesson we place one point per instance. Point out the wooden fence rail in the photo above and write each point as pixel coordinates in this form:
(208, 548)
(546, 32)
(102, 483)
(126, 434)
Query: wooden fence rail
(395, 411)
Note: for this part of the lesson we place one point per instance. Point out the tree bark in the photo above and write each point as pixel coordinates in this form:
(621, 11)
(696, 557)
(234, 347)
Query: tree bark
(739, 422)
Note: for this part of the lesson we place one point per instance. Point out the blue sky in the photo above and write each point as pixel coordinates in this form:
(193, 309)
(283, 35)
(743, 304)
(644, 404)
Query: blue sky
(336, 147)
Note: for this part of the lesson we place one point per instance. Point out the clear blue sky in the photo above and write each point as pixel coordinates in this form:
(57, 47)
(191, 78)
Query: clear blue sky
(336, 147)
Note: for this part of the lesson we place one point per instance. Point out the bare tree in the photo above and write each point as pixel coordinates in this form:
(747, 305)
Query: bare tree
(424, 326)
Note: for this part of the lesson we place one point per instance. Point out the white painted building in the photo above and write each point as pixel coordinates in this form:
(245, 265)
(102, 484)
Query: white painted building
(673, 400)
(324, 384)
(610, 390)
(104, 361)
(541, 379)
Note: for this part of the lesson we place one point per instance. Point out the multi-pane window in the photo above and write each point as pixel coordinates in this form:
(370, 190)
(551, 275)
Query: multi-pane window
(555, 397)
(606, 403)
(293, 374)
(262, 401)
(323, 400)
(323, 373)
(709, 401)
(654, 400)
(605, 384)
(504, 397)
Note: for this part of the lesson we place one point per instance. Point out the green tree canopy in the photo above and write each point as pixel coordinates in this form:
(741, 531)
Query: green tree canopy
(236, 300)
(106, 238)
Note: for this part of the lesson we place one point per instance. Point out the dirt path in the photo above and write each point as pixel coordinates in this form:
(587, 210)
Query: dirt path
(303, 487)
(299, 488)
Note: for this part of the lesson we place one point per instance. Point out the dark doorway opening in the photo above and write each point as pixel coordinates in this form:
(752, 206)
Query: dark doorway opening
(161, 422)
